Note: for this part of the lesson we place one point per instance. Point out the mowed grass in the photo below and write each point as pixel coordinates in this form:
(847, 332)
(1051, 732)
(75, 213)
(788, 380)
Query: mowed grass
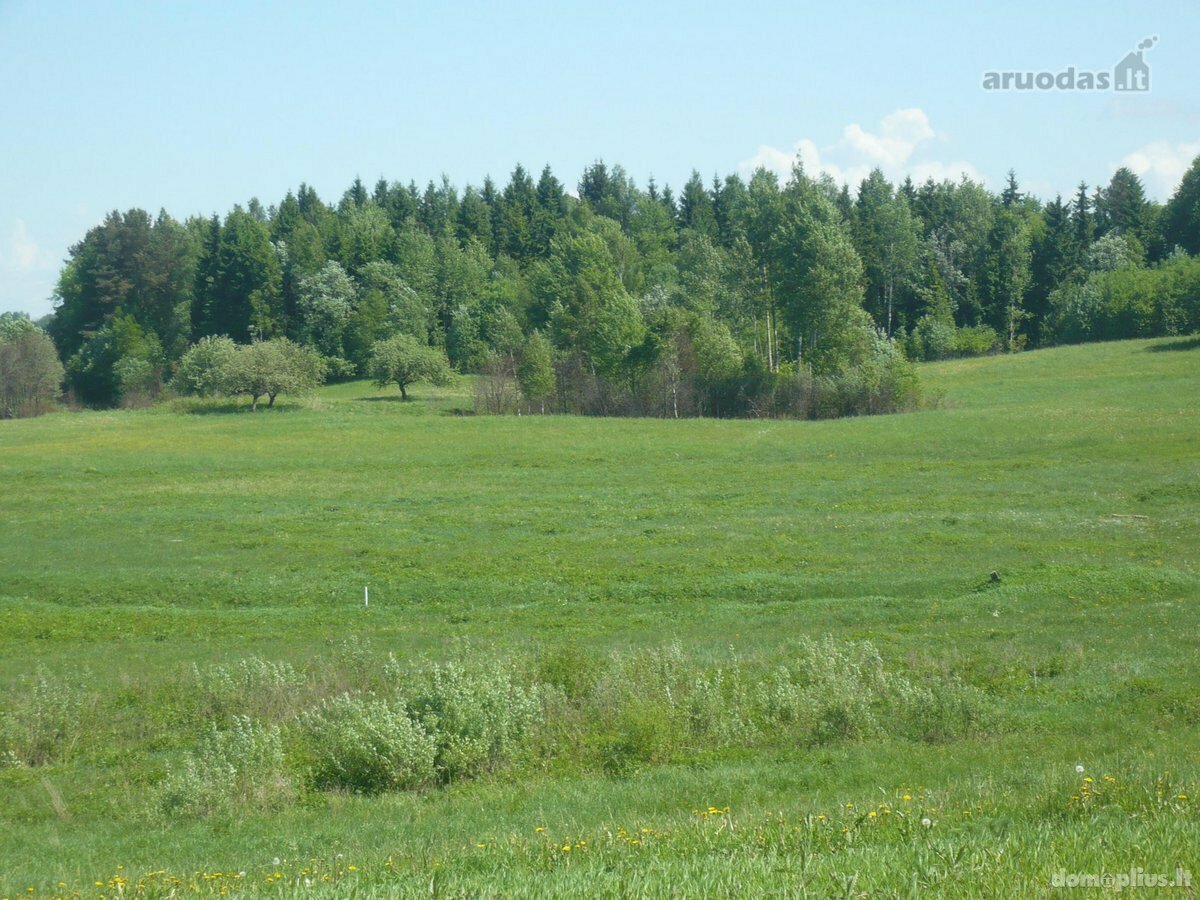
(134, 542)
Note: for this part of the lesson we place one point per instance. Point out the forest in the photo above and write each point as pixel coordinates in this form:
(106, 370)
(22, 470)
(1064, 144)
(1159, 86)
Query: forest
(731, 298)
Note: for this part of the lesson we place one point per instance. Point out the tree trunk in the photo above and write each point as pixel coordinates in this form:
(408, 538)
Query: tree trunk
(270, 401)
(890, 289)
(254, 403)
(403, 393)
(770, 341)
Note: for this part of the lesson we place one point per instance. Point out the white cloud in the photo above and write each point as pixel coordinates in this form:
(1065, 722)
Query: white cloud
(891, 148)
(27, 271)
(21, 253)
(1161, 165)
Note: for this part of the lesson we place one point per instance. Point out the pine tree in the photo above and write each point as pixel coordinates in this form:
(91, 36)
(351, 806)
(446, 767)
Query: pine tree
(696, 207)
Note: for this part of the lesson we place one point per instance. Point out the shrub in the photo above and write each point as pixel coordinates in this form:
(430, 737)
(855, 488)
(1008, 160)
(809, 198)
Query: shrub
(204, 367)
(30, 373)
(940, 711)
(719, 708)
(934, 337)
(477, 719)
(637, 708)
(40, 721)
(829, 691)
(976, 340)
(366, 746)
(238, 768)
(251, 685)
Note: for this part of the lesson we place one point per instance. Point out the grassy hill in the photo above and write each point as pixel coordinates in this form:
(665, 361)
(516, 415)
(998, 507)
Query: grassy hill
(136, 543)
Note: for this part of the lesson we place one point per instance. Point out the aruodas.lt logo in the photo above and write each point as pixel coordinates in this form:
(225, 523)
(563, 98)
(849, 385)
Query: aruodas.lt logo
(1136, 877)
(1130, 75)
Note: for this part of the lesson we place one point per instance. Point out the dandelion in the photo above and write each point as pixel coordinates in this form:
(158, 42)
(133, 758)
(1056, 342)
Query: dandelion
(927, 822)
(871, 814)
(907, 797)
(539, 829)
(1079, 769)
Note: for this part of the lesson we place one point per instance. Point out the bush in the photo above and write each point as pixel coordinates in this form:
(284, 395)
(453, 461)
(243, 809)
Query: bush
(30, 373)
(940, 711)
(934, 337)
(976, 340)
(250, 685)
(40, 721)
(829, 691)
(366, 746)
(884, 382)
(637, 708)
(239, 768)
(1128, 302)
(202, 369)
(477, 719)
(138, 381)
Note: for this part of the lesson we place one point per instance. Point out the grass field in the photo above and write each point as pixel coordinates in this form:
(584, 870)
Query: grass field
(642, 581)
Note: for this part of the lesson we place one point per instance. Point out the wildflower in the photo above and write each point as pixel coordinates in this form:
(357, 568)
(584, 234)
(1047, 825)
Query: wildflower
(907, 797)
(1079, 769)
(871, 814)
(1088, 779)
(566, 848)
(927, 822)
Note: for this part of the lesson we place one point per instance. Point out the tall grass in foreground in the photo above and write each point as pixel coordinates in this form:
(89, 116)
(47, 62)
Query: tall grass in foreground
(270, 732)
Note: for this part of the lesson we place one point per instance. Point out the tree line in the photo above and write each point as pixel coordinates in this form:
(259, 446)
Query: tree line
(735, 297)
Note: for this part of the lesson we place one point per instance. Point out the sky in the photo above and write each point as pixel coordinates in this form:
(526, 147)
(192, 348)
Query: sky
(193, 107)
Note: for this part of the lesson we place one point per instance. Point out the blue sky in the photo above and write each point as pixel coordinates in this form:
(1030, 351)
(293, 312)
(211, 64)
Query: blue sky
(193, 107)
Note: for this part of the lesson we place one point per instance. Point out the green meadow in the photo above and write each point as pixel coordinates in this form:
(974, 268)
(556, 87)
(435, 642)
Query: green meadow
(756, 656)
